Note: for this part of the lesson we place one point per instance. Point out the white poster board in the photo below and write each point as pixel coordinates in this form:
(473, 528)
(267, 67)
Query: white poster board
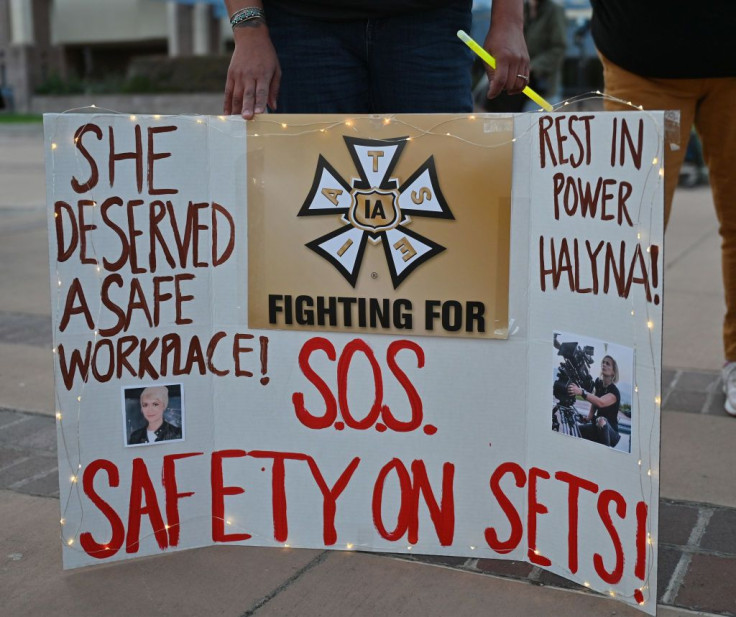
(424, 288)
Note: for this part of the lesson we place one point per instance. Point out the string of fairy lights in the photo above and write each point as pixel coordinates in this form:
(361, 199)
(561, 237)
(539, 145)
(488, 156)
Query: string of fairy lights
(72, 452)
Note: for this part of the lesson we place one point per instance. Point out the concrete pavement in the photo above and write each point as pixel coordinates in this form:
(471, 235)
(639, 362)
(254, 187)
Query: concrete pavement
(697, 544)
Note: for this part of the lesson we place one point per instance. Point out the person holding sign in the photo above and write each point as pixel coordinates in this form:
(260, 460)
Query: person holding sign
(679, 55)
(154, 401)
(604, 401)
(365, 56)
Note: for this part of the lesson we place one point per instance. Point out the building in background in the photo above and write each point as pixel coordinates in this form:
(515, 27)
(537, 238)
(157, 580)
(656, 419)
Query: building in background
(65, 42)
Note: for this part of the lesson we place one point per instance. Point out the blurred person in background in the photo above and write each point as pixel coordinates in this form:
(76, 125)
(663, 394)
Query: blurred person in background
(681, 55)
(546, 40)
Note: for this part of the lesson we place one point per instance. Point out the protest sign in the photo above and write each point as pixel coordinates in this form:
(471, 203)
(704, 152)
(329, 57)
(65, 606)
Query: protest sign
(359, 333)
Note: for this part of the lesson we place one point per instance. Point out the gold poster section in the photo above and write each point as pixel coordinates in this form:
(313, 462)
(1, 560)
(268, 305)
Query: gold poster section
(461, 289)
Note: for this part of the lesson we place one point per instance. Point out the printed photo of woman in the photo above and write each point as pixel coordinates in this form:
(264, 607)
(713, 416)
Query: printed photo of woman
(153, 414)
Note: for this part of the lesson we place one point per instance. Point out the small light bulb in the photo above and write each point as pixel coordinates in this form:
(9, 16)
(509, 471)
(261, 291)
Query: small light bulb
(655, 160)
(54, 146)
(58, 415)
(133, 118)
(349, 546)
(73, 479)
(284, 125)
(650, 325)
(70, 541)
(348, 123)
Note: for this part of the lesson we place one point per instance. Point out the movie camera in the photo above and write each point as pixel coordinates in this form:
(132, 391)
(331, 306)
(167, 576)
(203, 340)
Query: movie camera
(573, 369)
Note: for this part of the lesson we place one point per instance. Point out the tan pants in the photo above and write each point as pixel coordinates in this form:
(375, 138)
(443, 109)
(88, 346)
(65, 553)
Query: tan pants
(711, 105)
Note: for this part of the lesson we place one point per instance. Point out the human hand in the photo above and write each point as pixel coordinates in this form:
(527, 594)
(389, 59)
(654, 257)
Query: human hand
(505, 42)
(574, 389)
(254, 74)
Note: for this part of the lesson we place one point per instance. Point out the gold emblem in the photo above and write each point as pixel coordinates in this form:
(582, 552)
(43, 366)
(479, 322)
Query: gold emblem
(375, 210)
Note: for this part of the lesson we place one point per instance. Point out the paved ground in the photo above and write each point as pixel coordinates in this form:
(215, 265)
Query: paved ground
(697, 544)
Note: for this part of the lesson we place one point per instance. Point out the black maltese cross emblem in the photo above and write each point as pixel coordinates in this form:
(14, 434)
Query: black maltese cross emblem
(375, 208)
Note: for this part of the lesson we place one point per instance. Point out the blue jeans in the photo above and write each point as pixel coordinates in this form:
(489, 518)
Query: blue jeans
(411, 63)
(605, 434)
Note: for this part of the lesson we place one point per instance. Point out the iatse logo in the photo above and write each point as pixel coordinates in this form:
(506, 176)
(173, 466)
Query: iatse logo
(375, 208)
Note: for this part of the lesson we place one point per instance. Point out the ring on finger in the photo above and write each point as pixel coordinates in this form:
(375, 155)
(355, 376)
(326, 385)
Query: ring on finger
(524, 77)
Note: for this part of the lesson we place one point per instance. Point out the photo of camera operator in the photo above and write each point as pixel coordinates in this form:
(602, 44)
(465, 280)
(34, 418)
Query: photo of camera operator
(597, 409)
(605, 400)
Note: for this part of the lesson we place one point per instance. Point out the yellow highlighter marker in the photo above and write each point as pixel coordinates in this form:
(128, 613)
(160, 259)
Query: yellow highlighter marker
(491, 61)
